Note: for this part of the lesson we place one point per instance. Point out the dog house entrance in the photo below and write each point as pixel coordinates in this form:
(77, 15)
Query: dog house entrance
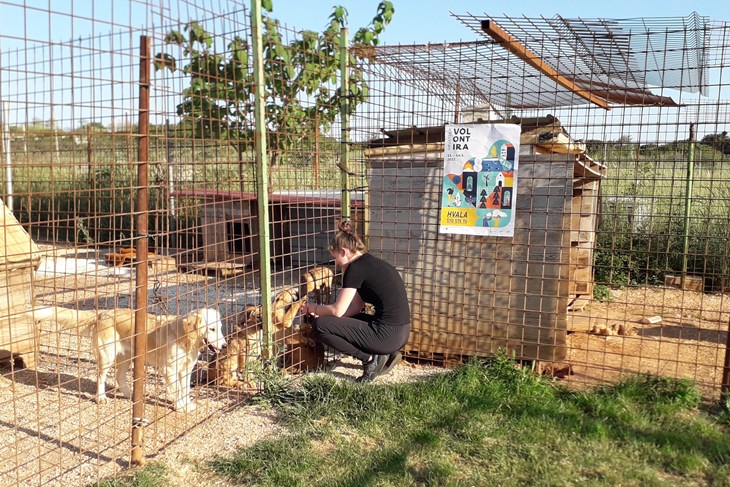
(240, 240)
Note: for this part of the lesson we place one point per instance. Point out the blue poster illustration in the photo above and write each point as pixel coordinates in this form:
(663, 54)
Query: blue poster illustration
(480, 179)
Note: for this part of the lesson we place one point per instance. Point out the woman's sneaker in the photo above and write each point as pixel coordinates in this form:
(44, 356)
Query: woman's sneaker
(393, 360)
(373, 368)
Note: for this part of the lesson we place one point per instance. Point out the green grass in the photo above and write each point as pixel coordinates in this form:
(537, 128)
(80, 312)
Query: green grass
(486, 423)
(153, 475)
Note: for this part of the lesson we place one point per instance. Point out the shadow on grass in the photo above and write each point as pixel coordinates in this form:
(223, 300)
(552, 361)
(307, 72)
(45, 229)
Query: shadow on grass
(499, 425)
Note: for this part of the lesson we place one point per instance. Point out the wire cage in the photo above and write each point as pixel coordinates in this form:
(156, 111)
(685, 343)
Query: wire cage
(618, 263)
(133, 185)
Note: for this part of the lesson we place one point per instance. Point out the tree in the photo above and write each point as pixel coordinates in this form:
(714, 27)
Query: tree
(301, 90)
(720, 142)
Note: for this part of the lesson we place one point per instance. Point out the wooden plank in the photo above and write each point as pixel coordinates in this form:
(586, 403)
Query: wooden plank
(221, 269)
(518, 49)
(579, 304)
(691, 283)
(505, 299)
(18, 333)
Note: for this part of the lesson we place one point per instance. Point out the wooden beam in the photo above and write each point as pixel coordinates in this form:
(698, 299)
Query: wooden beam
(518, 49)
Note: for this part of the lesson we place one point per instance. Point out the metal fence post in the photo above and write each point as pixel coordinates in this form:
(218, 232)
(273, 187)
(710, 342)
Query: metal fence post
(688, 201)
(140, 314)
(262, 174)
(345, 120)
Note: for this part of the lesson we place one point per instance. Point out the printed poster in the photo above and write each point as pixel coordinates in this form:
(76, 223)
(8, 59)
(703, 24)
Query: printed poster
(480, 179)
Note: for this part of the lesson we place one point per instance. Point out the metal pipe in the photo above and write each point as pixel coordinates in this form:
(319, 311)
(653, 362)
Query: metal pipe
(345, 121)
(140, 313)
(688, 201)
(262, 175)
(5, 127)
(725, 384)
(172, 218)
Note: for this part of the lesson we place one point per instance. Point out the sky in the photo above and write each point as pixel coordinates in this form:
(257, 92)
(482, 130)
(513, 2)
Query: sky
(423, 21)
(39, 25)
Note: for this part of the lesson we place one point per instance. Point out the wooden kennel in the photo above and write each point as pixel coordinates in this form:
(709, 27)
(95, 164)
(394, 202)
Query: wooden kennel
(19, 258)
(301, 225)
(471, 295)
(544, 136)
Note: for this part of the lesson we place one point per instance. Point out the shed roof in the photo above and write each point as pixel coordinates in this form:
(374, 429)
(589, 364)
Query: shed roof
(617, 61)
(431, 140)
(16, 246)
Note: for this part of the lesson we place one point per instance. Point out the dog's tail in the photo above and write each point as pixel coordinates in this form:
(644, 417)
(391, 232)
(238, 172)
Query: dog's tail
(79, 320)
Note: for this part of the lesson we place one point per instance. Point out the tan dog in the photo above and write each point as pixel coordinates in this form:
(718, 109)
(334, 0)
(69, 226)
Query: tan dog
(245, 352)
(235, 364)
(173, 344)
(318, 280)
(284, 309)
(303, 352)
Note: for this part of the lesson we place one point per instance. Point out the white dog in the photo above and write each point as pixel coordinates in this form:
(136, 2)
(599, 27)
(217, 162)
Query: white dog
(173, 344)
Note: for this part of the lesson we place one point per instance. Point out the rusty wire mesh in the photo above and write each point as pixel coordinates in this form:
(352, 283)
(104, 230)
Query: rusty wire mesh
(71, 91)
(619, 262)
(599, 281)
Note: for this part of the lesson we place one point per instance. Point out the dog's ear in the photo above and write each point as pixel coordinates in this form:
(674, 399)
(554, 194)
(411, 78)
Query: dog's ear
(192, 324)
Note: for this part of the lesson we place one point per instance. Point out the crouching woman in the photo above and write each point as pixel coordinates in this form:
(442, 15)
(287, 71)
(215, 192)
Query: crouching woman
(373, 339)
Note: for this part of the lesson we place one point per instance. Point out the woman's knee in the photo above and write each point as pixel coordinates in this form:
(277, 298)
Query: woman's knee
(318, 327)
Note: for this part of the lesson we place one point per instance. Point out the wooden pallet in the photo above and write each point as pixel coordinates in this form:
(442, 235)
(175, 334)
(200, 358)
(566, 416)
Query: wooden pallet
(579, 303)
(220, 269)
(128, 257)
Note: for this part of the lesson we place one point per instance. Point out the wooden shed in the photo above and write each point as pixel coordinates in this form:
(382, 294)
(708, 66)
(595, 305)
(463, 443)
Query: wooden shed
(19, 258)
(471, 295)
(546, 135)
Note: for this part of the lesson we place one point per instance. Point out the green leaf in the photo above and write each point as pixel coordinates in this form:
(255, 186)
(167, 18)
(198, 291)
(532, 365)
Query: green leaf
(164, 60)
(242, 57)
(174, 37)
(267, 5)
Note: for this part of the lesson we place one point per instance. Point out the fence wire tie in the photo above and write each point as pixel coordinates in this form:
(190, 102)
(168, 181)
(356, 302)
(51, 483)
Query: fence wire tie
(140, 422)
(157, 297)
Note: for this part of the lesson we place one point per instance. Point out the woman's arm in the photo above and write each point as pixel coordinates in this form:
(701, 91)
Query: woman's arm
(348, 303)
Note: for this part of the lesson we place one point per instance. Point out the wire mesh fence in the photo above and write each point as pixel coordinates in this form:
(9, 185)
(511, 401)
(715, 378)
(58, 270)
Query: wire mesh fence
(618, 263)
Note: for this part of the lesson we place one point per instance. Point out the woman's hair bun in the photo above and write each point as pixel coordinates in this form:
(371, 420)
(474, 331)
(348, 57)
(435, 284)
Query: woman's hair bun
(345, 226)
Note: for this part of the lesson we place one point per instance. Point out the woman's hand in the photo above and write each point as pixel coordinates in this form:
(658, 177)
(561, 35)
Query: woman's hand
(309, 309)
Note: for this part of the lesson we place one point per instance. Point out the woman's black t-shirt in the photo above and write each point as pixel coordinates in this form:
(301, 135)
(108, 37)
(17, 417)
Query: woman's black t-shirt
(379, 284)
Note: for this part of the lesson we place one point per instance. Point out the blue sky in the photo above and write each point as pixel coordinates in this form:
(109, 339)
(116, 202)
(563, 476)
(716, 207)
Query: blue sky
(27, 24)
(415, 21)
(423, 21)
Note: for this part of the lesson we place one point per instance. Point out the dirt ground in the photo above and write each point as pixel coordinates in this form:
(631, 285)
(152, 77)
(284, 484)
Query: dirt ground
(687, 340)
(53, 433)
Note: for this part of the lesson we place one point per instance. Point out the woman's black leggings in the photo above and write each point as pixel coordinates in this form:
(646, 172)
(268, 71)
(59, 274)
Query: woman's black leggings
(360, 336)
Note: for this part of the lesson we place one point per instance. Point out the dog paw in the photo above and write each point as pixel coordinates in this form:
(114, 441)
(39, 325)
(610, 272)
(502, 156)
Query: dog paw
(101, 399)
